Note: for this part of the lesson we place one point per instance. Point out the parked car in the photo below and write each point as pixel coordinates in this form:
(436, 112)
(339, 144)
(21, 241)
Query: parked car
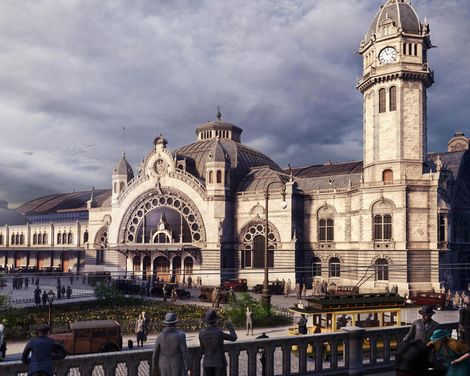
(127, 286)
(238, 285)
(206, 294)
(275, 288)
(91, 337)
(430, 298)
(157, 290)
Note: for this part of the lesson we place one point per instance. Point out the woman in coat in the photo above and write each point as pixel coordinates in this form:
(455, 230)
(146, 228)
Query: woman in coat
(455, 354)
(171, 355)
(140, 331)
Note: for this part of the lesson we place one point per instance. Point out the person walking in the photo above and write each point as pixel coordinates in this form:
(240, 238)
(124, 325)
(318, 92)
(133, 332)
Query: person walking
(26, 283)
(249, 321)
(288, 288)
(59, 292)
(62, 292)
(140, 331)
(146, 325)
(211, 340)
(174, 296)
(40, 352)
(464, 321)
(165, 292)
(190, 282)
(44, 298)
(214, 297)
(37, 296)
(68, 292)
(455, 354)
(170, 354)
(298, 291)
(302, 324)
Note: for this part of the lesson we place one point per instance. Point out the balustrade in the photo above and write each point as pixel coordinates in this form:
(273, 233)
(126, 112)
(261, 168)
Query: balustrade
(352, 351)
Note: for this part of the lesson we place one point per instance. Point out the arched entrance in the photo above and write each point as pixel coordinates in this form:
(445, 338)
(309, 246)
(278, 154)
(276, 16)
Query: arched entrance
(21, 259)
(176, 270)
(67, 261)
(136, 264)
(146, 267)
(188, 265)
(161, 265)
(44, 260)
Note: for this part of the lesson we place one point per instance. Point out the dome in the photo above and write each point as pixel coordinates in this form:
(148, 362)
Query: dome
(401, 13)
(240, 157)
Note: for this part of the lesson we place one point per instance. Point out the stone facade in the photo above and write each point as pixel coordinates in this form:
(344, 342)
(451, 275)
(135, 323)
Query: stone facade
(392, 219)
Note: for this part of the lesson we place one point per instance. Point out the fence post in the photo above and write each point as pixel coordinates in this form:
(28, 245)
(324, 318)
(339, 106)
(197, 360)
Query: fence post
(355, 350)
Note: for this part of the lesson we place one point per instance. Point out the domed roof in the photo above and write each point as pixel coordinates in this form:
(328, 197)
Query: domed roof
(401, 13)
(240, 157)
(124, 168)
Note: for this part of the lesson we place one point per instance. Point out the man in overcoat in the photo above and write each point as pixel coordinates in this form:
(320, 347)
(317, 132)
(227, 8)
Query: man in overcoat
(212, 340)
(424, 327)
(171, 355)
(464, 321)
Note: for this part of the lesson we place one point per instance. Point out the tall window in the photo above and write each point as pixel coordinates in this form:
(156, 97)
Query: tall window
(1, 239)
(316, 267)
(219, 176)
(381, 270)
(382, 103)
(387, 176)
(21, 239)
(382, 227)
(326, 230)
(393, 98)
(35, 238)
(59, 238)
(211, 177)
(253, 238)
(334, 267)
(64, 238)
(69, 238)
(85, 237)
(442, 228)
(44, 238)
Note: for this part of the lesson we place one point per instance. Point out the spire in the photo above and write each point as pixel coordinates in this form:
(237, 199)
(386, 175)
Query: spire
(124, 168)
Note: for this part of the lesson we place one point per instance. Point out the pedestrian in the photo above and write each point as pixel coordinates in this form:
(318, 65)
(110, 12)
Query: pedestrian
(62, 292)
(232, 297)
(173, 296)
(170, 354)
(69, 292)
(211, 341)
(412, 359)
(146, 325)
(140, 331)
(214, 296)
(147, 287)
(165, 292)
(249, 321)
(190, 282)
(455, 354)
(302, 324)
(464, 321)
(3, 344)
(304, 290)
(37, 296)
(424, 327)
(456, 300)
(287, 289)
(44, 298)
(40, 352)
(298, 291)
(26, 283)
(59, 292)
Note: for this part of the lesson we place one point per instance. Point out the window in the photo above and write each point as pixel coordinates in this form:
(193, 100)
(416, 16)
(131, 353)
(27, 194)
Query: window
(410, 48)
(39, 239)
(416, 50)
(1, 239)
(115, 187)
(21, 239)
(219, 176)
(387, 176)
(44, 238)
(85, 237)
(35, 238)
(334, 267)
(316, 267)
(442, 228)
(382, 227)
(12, 239)
(121, 187)
(161, 238)
(404, 48)
(382, 107)
(70, 238)
(211, 177)
(64, 238)
(99, 256)
(326, 230)
(59, 238)
(381, 270)
(393, 98)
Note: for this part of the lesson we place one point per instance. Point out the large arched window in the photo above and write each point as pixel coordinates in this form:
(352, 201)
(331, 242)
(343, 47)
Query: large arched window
(101, 244)
(316, 267)
(326, 230)
(35, 238)
(161, 237)
(334, 267)
(381, 270)
(382, 101)
(392, 98)
(253, 239)
(40, 239)
(188, 265)
(69, 238)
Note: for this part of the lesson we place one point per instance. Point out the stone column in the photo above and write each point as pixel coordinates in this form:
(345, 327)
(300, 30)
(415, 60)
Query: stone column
(355, 350)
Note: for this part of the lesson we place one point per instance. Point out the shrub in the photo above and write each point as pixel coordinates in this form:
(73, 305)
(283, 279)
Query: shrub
(108, 293)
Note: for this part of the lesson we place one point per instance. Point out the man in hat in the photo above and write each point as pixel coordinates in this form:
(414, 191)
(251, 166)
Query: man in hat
(170, 354)
(424, 327)
(43, 351)
(212, 340)
(464, 321)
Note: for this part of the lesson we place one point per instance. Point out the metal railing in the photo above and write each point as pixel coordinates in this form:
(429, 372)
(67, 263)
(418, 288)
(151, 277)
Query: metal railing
(351, 351)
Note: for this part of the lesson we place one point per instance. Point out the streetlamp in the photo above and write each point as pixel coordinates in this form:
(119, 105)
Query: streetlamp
(265, 295)
(50, 300)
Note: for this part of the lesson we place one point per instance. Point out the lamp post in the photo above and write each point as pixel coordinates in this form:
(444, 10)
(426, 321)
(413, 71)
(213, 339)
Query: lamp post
(50, 300)
(265, 295)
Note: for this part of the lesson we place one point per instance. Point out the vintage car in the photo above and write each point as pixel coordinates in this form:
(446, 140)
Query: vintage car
(91, 337)
(275, 288)
(157, 290)
(206, 294)
(430, 298)
(238, 285)
(127, 286)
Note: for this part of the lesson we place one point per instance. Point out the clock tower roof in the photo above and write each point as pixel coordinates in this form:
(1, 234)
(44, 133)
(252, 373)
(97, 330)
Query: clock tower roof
(401, 13)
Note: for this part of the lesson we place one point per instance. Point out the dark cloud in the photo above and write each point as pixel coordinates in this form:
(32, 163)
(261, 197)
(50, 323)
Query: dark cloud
(74, 73)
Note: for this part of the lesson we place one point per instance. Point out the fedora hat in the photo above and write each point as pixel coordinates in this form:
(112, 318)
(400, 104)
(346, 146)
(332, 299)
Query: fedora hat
(170, 318)
(426, 310)
(211, 317)
(438, 335)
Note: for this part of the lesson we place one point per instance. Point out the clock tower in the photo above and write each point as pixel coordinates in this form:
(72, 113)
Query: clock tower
(395, 77)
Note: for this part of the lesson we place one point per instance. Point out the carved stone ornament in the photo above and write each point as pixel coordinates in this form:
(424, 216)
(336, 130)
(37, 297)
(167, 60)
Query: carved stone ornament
(160, 167)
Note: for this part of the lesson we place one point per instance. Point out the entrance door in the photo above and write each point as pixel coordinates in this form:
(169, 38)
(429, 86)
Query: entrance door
(177, 269)
(21, 259)
(67, 261)
(162, 267)
(43, 260)
(146, 267)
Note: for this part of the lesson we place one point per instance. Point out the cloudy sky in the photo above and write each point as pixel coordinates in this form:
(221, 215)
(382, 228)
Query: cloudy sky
(73, 73)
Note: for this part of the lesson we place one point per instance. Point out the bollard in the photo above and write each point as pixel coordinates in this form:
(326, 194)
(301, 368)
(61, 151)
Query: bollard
(355, 350)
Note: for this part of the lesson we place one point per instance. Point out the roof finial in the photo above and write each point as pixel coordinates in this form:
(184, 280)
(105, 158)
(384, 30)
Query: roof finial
(219, 114)
(123, 141)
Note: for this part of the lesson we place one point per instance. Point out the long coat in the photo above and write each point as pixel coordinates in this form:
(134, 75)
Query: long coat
(421, 330)
(212, 345)
(171, 355)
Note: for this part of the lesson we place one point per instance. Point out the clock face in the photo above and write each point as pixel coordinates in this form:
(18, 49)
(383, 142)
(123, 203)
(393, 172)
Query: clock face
(387, 55)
